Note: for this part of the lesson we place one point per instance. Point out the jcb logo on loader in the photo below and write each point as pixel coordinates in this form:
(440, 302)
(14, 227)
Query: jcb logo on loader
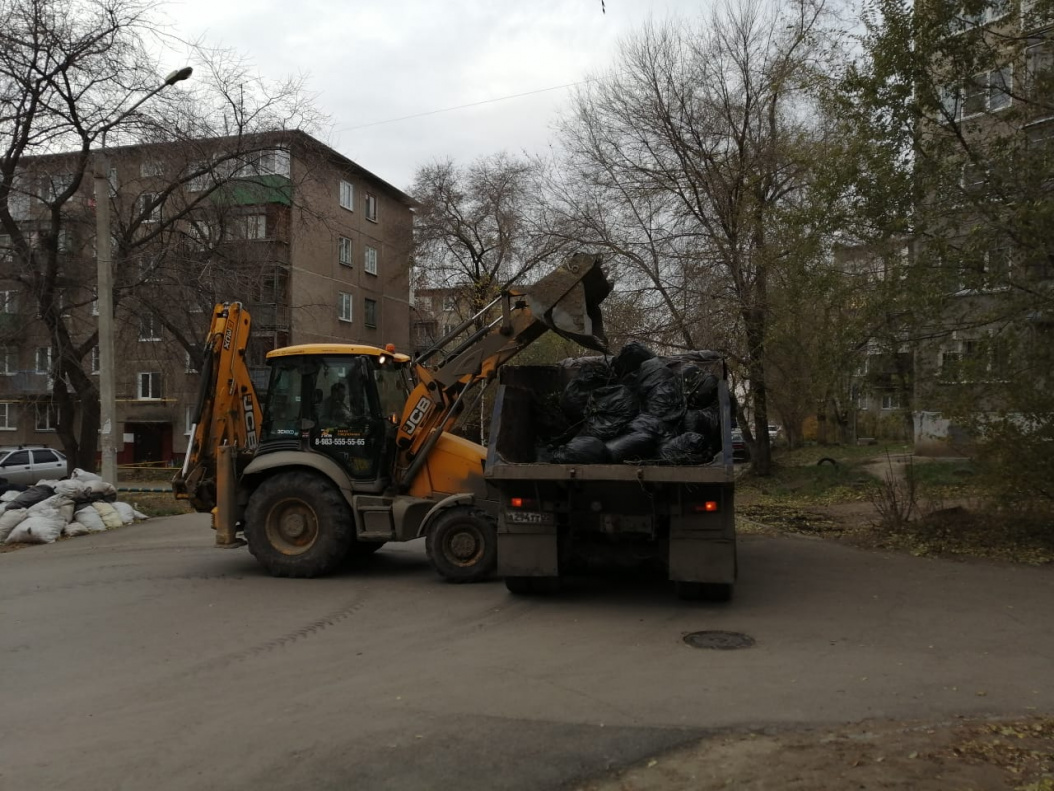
(250, 421)
(410, 426)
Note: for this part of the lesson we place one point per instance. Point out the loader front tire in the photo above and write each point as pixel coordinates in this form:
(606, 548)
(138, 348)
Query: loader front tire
(298, 525)
(462, 544)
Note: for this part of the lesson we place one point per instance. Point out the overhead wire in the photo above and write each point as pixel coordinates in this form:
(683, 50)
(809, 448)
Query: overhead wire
(465, 106)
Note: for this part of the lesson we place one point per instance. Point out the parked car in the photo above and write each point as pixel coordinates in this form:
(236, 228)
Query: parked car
(740, 451)
(774, 433)
(27, 464)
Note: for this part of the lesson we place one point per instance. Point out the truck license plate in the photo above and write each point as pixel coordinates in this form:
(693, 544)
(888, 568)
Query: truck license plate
(529, 517)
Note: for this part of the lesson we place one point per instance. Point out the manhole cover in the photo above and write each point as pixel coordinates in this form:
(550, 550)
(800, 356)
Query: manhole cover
(721, 641)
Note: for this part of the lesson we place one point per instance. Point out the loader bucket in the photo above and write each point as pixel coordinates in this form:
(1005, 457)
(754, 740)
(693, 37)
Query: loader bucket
(568, 299)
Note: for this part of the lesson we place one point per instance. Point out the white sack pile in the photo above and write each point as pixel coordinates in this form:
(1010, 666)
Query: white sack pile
(75, 506)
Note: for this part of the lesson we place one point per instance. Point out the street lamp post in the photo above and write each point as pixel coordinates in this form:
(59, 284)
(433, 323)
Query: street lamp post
(104, 264)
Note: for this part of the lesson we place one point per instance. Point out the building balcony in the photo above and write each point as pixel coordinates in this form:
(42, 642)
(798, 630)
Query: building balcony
(25, 383)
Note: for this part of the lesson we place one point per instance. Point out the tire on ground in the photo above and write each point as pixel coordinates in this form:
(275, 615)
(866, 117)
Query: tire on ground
(297, 524)
(462, 544)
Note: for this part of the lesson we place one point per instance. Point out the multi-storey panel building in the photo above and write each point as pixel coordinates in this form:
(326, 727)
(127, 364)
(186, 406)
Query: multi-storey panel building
(317, 246)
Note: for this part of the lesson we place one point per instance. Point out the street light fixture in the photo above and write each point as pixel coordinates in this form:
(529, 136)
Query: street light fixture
(104, 296)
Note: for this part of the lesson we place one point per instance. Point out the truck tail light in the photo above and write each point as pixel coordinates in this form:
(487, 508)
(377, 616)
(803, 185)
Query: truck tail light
(709, 507)
(522, 502)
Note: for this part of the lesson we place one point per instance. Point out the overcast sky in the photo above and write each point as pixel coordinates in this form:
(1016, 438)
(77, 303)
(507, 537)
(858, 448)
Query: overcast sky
(376, 60)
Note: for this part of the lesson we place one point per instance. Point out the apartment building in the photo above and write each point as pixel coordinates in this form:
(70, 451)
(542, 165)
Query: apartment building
(314, 244)
(993, 243)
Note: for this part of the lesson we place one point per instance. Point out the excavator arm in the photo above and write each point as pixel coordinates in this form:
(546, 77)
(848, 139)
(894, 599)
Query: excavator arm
(566, 301)
(227, 411)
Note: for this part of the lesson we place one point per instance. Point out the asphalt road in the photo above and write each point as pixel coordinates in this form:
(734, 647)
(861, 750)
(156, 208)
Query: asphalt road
(143, 658)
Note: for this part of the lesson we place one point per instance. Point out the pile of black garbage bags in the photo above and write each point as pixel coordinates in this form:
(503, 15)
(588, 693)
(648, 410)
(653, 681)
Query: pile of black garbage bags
(637, 407)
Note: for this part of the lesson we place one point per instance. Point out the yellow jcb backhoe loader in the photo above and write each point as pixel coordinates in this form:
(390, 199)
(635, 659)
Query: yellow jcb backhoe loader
(352, 446)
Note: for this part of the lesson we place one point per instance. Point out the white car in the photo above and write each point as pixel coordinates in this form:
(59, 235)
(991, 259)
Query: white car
(27, 464)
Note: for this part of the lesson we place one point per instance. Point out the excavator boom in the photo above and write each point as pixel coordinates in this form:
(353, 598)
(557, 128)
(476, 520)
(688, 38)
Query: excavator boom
(227, 411)
(566, 301)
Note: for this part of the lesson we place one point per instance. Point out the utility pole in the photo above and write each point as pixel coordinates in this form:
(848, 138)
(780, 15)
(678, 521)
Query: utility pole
(104, 264)
(104, 302)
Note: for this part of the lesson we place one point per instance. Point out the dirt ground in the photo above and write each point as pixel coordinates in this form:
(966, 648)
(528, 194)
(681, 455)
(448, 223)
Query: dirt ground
(980, 755)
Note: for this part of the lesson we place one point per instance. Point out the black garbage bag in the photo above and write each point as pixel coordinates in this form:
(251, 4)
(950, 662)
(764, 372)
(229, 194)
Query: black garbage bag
(704, 421)
(7, 486)
(688, 448)
(31, 496)
(649, 424)
(629, 358)
(609, 410)
(660, 390)
(575, 397)
(634, 446)
(580, 450)
(700, 388)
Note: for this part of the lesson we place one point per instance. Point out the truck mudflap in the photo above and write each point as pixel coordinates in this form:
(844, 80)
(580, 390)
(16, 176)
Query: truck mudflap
(700, 559)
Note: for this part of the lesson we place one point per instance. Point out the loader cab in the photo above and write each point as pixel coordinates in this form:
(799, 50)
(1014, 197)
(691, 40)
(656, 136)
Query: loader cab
(342, 401)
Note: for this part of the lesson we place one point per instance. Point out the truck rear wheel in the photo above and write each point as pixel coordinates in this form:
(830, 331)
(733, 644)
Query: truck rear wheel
(462, 544)
(298, 525)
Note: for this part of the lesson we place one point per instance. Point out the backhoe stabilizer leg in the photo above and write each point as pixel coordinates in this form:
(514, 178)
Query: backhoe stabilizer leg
(225, 514)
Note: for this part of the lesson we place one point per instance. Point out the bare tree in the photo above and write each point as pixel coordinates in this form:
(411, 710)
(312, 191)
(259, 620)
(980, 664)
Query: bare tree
(476, 230)
(72, 76)
(687, 156)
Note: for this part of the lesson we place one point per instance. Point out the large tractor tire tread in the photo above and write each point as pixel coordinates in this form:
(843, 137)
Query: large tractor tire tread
(297, 524)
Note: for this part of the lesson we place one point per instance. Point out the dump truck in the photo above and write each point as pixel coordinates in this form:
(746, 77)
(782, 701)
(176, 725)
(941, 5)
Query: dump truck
(558, 519)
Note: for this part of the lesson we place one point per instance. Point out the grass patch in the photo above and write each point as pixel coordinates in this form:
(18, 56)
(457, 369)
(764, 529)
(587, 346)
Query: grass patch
(161, 504)
(986, 533)
(810, 454)
(814, 485)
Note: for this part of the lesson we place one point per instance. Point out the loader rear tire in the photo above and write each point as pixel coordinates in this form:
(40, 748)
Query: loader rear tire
(298, 525)
(462, 544)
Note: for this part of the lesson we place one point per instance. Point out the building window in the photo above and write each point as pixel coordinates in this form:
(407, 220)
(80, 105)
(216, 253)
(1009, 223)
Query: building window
(149, 327)
(974, 177)
(987, 92)
(95, 360)
(147, 208)
(371, 207)
(42, 359)
(149, 386)
(252, 226)
(371, 260)
(1039, 68)
(369, 312)
(274, 162)
(7, 415)
(985, 14)
(151, 168)
(347, 195)
(47, 416)
(202, 178)
(950, 366)
(344, 306)
(8, 360)
(191, 368)
(891, 401)
(344, 251)
(449, 303)
(8, 302)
